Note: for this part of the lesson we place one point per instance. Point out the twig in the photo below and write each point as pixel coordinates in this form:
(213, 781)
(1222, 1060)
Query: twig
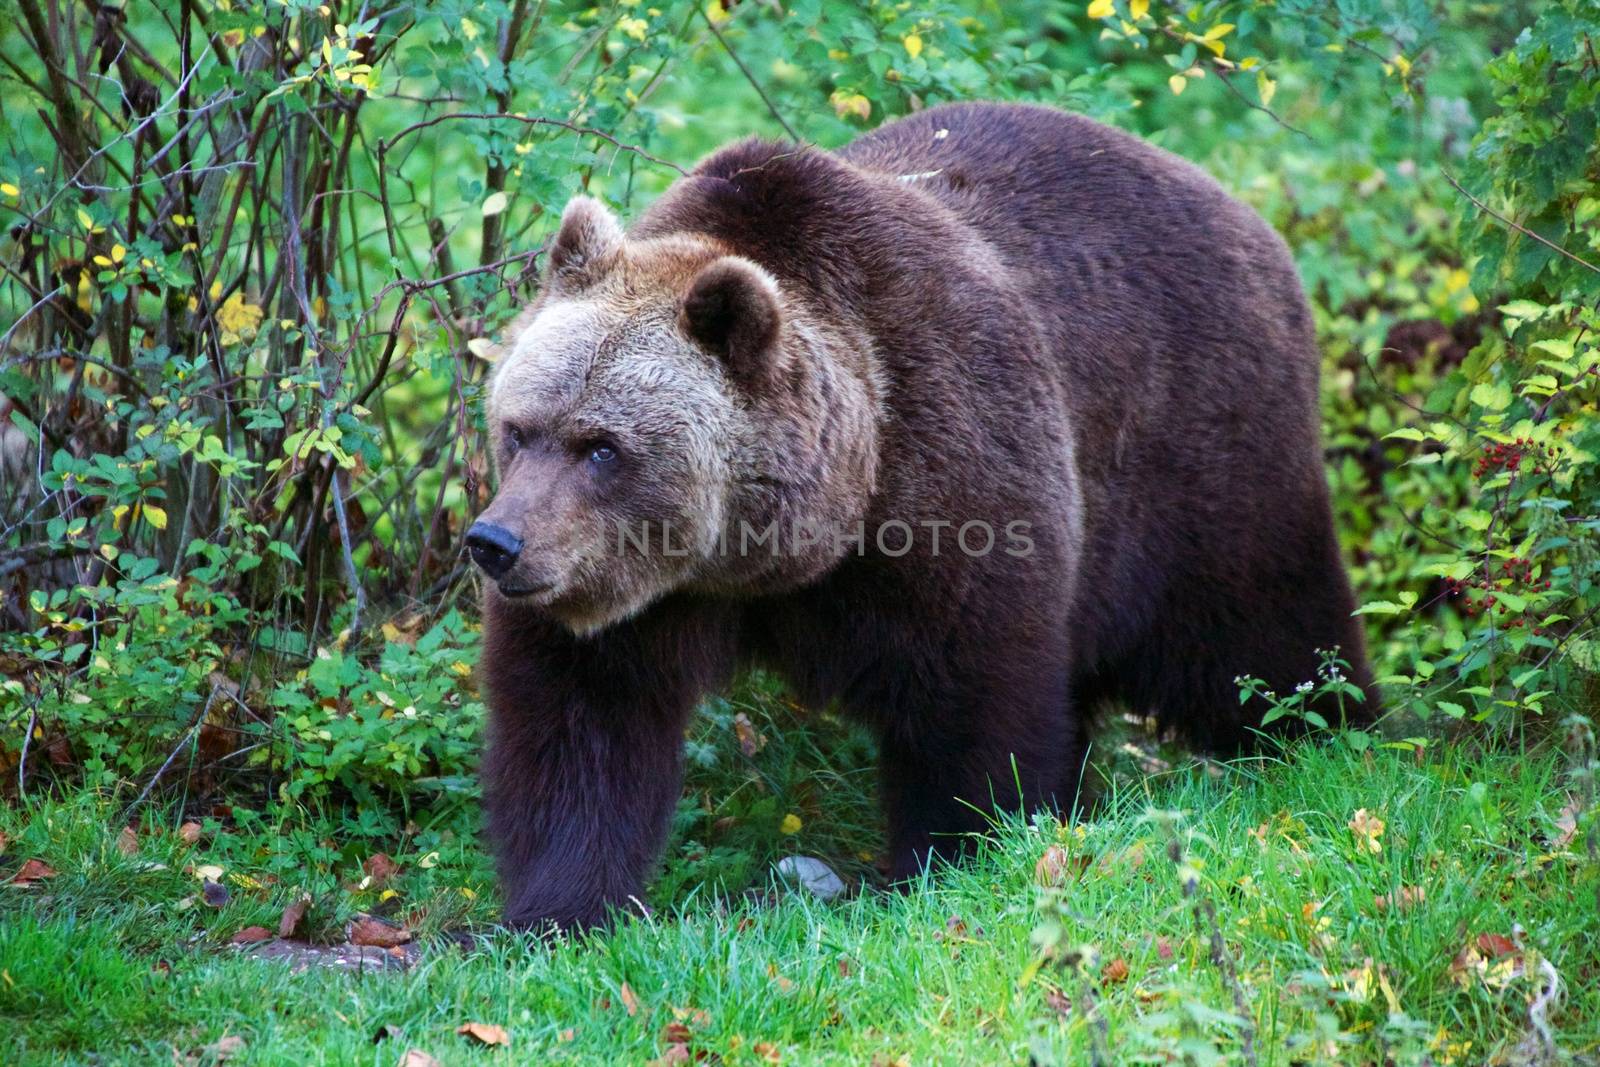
(188, 736)
(1492, 213)
(1222, 76)
(749, 77)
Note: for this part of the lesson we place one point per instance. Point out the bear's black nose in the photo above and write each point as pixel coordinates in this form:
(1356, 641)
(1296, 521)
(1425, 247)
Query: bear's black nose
(494, 548)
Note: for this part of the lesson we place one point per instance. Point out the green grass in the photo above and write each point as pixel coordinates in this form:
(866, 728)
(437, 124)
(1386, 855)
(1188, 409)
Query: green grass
(106, 963)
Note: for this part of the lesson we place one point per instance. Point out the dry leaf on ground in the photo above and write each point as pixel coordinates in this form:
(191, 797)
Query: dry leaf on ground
(380, 868)
(32, 871)
(289, 922)
(371, 930)
(250, 935)
(485, 1033)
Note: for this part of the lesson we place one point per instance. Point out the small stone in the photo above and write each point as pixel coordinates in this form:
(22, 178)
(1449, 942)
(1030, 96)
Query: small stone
(814, 876)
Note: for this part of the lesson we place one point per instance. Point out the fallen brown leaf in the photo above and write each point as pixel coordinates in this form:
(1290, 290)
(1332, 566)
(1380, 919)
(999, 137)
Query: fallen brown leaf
(289, 922)
(1493, 946)
(1408, 897)
(766, 1050)
(189, 832)
(676, 1034)
(224, 1048)
(1566, 823)
(566, 1036)
(1133, 856)
(750, 739)
(4, 841)
(1164, 948)
(415, 1057)
(380, 868)
(629, 1001)
(1052, 866)
(32, 871)
(128, 841)
(674, 1054)
(380, 933)
(485, 1033)
(250, 935)
(1114, 972)
(1058, 1001)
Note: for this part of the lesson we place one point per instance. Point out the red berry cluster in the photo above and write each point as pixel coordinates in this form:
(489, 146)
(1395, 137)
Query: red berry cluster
(1508, 457)
(1516, 572)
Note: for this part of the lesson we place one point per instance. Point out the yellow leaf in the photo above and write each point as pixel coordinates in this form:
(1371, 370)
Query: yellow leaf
(1266, 87)
(1177, 83)
(635, 28)
(10, 190)
(155, 516)
(847, 104)
(913, 45)
(791, 824)
(102, 261)
(236, 317)
(84, 220)
(715, 11)
(430, 860)
(110, 552)
(1101, 9)
(1138, 9)
(118, 253)
(1218, 32)
(1367, 828)
(495, 204)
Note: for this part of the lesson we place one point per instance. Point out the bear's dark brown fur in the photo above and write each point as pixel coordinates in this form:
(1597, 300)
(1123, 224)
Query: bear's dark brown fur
(998, 313)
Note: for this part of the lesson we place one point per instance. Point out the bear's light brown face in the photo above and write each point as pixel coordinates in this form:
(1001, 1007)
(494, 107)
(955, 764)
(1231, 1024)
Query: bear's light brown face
(637, 409)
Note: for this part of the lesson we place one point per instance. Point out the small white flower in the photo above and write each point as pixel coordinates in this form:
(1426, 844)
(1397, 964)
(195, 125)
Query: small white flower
(1304, 687)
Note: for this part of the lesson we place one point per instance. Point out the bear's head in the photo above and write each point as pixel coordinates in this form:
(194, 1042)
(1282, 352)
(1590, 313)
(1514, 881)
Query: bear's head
(662, 406)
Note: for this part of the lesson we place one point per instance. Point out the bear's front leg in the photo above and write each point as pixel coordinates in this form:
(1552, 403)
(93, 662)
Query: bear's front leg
(583, 765)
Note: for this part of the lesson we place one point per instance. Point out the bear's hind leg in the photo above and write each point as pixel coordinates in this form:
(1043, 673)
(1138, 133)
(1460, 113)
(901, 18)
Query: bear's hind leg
(945, 772)
(1270, 624)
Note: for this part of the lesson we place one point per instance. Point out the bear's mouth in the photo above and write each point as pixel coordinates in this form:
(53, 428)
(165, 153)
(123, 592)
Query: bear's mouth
(519, 592)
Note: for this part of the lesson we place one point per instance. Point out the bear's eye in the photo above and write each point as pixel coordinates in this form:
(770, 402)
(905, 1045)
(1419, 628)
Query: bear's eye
(515, 437)
(602, 453)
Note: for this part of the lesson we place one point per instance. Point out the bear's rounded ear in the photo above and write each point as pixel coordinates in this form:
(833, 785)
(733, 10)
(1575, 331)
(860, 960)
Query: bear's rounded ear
(732, 311)
(586, 246)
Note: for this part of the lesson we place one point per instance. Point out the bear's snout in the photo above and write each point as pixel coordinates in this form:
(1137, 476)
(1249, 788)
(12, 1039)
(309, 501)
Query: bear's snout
(494, 548)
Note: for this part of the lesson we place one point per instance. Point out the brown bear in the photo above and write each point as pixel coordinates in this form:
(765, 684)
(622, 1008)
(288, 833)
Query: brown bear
(992, 417)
